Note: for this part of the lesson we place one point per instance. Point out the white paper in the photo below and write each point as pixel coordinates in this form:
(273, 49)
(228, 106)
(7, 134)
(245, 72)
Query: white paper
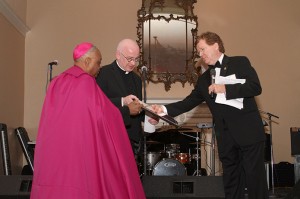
(221, 98)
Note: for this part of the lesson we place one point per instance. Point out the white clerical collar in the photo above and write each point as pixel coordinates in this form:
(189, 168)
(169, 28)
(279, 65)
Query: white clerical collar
(126, 72)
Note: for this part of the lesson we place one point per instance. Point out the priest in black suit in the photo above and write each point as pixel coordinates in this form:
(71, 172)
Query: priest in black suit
(124, 88)
(239, 132)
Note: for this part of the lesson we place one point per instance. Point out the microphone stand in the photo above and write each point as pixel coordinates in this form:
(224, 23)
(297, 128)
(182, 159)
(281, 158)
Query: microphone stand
(145, 101)
(50, 70)
(213, 151)
(270, 115)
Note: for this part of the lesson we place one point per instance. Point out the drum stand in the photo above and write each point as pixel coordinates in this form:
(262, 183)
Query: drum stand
(196, 173)
(203, 126)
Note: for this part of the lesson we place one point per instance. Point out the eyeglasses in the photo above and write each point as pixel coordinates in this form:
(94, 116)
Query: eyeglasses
(130, 59)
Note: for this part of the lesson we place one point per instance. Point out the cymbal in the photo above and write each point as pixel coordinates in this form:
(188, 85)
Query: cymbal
(200, 143)
(153, 142)
(172, 130)
(195, 143)
(204, 125)
(184, 129)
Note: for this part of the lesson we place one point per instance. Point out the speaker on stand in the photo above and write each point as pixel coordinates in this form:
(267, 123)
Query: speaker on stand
(5, 149)
(295, 150)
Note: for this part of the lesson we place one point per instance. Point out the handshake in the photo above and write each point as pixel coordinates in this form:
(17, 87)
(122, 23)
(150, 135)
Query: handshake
(136, 106)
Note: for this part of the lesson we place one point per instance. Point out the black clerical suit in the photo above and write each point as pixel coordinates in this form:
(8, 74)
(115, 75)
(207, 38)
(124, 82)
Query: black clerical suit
(115, 83)
(240, 133)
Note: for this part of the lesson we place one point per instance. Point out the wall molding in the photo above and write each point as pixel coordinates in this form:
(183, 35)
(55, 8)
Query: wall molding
(13, 18)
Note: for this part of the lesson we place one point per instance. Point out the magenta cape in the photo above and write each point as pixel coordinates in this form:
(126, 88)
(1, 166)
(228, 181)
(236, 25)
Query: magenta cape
(82, 148)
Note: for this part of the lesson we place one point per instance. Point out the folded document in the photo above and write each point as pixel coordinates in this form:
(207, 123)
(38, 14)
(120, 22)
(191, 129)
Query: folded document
(221, 98)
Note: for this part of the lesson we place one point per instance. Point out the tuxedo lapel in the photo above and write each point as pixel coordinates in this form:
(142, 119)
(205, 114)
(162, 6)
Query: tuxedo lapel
(224, 66)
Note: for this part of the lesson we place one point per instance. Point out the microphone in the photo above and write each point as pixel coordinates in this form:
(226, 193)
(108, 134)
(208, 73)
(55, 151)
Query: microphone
(213, 79)
(55, 62)
(144, 68)
(144, 71)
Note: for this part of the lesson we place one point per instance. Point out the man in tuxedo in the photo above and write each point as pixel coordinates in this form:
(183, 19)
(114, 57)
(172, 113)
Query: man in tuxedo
(124, 88)
(239, 132)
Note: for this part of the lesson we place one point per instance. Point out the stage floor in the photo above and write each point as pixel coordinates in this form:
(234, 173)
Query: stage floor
(278, 192)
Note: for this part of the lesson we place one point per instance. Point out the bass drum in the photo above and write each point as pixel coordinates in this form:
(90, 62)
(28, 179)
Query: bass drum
(169, 167)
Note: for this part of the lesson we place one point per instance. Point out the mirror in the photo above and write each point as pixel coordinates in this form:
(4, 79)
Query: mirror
(167, 31)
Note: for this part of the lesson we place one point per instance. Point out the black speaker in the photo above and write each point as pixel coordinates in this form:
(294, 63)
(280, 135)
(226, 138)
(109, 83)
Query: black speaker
(295, 193)
(183, 187)
(15, 187)
(283, 175)
(295, 140)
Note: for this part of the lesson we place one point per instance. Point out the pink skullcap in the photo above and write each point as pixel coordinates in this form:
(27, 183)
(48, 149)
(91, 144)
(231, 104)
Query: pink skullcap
(81, 49)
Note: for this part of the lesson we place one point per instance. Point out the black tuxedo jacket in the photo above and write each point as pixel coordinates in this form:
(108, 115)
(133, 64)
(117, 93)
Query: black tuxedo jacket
(245, 125)
(111, 83)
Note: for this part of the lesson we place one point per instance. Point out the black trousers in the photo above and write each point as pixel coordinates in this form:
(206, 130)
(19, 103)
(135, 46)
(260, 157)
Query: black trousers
(243, 166)
(136, 147)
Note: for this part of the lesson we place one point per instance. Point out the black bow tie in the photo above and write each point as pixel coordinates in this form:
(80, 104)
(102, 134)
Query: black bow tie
(217, 65)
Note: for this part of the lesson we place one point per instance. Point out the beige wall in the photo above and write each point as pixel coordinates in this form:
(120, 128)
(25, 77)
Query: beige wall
(12, 46)
(266, 31)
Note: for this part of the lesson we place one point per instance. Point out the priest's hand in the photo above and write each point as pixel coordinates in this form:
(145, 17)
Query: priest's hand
(129, 99)
(134, 107)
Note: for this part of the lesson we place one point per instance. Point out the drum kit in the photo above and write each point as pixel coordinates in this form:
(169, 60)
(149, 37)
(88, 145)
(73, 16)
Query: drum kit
(175, 159)
(168, 162)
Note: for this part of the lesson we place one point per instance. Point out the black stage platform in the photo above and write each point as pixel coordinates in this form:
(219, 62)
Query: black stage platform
(204, 187)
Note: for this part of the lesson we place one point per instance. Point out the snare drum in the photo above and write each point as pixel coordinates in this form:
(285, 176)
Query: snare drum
(184, 158)
(169, 167)
(152, 159)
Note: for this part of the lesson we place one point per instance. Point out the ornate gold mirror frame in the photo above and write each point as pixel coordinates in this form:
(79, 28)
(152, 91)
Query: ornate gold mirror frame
(167, 31)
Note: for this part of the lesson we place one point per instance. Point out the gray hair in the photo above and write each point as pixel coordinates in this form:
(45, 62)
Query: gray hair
(92, 49)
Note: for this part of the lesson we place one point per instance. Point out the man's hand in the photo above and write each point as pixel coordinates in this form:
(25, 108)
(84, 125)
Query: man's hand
(128, 99)
(217, 88)
(134, 107)
(158, 109)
